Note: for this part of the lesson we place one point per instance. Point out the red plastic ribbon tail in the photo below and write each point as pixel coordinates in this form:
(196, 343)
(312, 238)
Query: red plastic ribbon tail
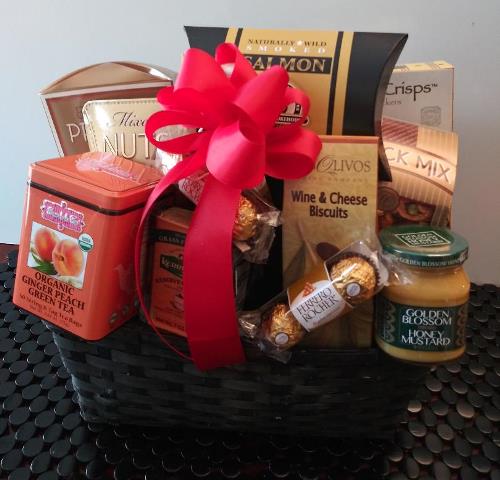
(209, 307)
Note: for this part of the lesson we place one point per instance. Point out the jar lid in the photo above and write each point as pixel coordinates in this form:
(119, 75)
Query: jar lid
(424, 245)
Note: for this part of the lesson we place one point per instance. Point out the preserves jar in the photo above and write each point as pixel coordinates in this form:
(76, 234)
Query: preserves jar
(422, 312)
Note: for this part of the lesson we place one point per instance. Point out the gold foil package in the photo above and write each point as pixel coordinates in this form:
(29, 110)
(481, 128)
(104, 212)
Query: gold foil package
(355, 278)
(326, 293)
(279, 329)
(255, 221)
(117, 126)
(423, 163)
(63, 100)
(245, 223)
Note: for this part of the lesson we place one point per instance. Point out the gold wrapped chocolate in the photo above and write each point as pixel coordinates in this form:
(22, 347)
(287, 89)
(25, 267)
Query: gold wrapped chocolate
(255, 221)
(323, 296)
(355, 278)
(245, 223)
(281, 329)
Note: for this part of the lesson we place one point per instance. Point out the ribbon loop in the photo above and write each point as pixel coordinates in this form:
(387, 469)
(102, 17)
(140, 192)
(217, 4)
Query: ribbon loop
(234, 113)
(236, 155)
(262, 97)
(228, 54)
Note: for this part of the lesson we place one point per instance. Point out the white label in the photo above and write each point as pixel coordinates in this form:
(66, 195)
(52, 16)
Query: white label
(429, 238)
(86, 242)
(424, 97)
(353, 289)
(319, 307)
(281, 339)
(192, 186)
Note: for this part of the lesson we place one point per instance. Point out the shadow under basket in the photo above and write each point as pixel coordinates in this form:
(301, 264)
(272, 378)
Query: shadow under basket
(131, 377)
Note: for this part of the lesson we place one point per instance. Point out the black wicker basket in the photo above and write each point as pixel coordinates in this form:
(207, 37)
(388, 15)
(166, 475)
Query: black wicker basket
(131, 377)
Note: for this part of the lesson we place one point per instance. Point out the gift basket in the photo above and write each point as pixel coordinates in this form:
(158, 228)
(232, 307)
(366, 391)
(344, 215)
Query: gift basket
(244, 252)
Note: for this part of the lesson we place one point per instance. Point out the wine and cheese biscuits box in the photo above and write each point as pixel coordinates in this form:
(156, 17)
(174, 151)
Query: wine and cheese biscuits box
(76, 255)
(331, 207)
(324, 212)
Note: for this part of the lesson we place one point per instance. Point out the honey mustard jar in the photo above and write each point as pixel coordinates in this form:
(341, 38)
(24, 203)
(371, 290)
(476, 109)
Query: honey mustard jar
(422, 311)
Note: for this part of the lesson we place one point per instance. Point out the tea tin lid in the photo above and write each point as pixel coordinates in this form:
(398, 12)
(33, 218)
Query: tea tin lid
(424, 245)
(100, 179)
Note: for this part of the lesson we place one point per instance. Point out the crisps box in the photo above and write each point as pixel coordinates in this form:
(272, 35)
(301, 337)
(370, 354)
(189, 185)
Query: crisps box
(75, 264)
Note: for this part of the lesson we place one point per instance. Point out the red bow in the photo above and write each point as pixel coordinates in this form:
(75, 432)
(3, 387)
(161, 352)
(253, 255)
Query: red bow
(238, 143)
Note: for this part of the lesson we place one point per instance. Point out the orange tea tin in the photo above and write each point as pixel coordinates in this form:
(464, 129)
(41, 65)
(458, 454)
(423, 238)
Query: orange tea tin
(75, 264)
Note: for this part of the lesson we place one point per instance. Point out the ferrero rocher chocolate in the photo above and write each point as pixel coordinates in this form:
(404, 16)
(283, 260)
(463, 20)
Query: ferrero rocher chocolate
(328, 292)
(281, 328)
(255, 220)
(355, 278)
(245, 223)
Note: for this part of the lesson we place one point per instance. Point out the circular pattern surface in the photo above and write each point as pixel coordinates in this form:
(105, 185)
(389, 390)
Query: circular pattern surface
(450, 429)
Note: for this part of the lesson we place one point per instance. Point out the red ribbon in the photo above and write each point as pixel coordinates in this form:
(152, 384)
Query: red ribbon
(237, 142)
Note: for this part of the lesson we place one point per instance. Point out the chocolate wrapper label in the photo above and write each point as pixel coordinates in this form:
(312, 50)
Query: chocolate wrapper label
(314, 300)
(331, 290)
(319, 307)
(192, 186)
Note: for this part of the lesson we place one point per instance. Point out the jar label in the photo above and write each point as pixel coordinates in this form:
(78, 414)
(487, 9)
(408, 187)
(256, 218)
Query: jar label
(428, 329)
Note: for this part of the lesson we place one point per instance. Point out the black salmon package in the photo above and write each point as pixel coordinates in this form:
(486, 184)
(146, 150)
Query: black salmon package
(345, 74)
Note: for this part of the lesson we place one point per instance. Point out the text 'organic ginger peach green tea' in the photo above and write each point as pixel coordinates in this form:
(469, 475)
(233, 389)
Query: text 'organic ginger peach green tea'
(75, 264)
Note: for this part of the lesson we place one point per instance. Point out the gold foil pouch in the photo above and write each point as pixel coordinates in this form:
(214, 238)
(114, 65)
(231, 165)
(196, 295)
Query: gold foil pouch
(117, 126)
(345, 74)
(256, 218)
(423, 163)
(64, 98)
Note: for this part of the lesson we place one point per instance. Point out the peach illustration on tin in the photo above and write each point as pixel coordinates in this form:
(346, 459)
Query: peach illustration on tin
(56, 254)
(45, 242)
(67, 258)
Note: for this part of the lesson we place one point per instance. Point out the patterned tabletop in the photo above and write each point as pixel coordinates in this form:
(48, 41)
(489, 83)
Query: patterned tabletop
(450, 430)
